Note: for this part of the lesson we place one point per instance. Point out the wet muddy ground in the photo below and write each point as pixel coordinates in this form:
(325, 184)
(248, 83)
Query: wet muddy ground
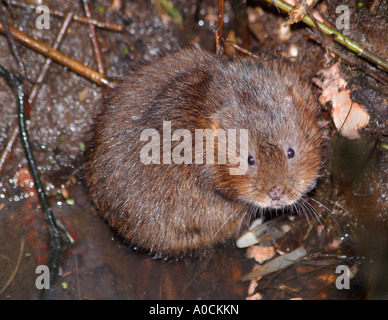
(351, 196)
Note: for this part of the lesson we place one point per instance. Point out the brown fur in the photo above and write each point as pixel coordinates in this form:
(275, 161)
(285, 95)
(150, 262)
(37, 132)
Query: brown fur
(171, 209)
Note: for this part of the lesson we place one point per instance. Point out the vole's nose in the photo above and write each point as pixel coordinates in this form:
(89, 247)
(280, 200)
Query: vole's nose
(276, 193)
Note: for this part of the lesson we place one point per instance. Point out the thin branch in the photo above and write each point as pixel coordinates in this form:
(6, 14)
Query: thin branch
(237, 47)
(11, 42)
(56, 241)
(9, 145)
(35, 89)
(350, 59)
(42, 75)
(338, 37)
(58, 57)
(300, 11)
(374, 7)
(16, 82)
(219, 30)
(81, 19)
(93, 37)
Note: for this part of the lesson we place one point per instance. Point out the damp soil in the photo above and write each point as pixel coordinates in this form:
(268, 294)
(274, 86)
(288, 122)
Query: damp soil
(348, 223)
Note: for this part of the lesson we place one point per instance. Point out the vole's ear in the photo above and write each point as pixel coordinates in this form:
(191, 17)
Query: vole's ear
(304, 98)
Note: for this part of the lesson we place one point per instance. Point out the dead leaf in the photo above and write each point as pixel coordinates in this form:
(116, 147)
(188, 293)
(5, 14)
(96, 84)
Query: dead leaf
(256, 296)
(252, 287)
(276, 264)
(260, 254)
(348, 116)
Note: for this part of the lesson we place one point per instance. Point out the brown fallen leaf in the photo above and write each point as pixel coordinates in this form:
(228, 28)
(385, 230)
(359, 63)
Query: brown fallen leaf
(252, 287)
(348, 116)
(24, 179)
(260, 254)
(256, 296)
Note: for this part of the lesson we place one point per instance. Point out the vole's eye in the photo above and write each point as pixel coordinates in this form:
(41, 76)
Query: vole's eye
(251, 160)
(290, 153)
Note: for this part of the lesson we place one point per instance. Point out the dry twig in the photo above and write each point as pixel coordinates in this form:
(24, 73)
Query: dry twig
(35, 90)
(219, 48)
(81, 19)
(300, 11)
(93, 37)
(58, 56)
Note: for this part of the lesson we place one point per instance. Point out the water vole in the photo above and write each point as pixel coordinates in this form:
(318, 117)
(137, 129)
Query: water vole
(171, 208)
